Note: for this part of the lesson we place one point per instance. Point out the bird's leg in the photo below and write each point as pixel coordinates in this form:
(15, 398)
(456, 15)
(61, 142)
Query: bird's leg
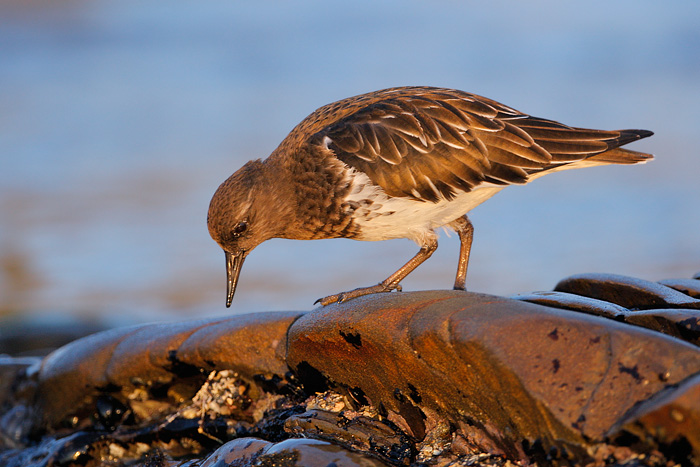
(391, 282)
(465, 230)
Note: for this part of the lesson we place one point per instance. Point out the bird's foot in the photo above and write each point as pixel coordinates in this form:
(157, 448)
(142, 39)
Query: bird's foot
(350, 294)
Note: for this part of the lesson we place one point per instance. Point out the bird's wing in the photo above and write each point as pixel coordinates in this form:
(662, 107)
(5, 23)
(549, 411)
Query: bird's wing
(428, 143)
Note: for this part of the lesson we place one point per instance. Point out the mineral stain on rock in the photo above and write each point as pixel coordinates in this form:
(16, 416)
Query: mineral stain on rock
(354, 339)
(578, 424)
(555, 365)
(632, 371)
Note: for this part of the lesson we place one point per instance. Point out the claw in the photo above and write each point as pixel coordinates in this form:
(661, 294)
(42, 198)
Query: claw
(324, 301)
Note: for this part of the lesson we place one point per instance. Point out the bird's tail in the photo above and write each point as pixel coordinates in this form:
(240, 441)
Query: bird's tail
(614, 155)
(621, 156)
(617, 155)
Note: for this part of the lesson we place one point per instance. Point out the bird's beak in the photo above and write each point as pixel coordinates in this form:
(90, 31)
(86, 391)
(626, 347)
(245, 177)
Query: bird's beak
(234, 262)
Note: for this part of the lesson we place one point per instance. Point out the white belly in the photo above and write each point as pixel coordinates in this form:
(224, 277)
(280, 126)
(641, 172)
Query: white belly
(381, 217)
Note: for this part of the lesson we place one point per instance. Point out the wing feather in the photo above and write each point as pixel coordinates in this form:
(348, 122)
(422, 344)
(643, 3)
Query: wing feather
(431, 143)
(452, 137)
(388, 150)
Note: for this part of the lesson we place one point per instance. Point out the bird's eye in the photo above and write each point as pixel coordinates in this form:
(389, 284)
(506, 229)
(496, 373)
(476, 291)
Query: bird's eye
(239, 228)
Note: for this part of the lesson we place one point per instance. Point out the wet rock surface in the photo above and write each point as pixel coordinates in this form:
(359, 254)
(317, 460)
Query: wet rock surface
(668, 306)
(604, 370)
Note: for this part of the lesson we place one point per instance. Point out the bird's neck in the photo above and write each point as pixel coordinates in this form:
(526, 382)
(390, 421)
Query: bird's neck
(313, 184)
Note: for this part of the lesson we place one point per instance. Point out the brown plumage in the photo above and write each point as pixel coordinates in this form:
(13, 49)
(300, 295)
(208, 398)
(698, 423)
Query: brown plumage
(397, 163)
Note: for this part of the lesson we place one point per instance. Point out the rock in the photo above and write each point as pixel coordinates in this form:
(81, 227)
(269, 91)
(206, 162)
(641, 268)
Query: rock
(239, 450)
(680, 320)
(251, 344)
(358, 432)
(70, 377)
(683, 324)
(117, 361)
(569, 301)
(315, 453)
(626, 291)
(689, 287)
(291, 452)
(672, 419)
(16, 399)
(11, 369)
(594, 373)
(507, 373)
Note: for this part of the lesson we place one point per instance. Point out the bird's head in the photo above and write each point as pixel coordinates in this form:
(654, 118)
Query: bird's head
(241, 216)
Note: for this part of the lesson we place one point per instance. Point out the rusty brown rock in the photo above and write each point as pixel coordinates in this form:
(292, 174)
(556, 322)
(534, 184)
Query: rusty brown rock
(569, 301)
(250, 344)
(504, 370)
(425, 377)
(628, 292)
(71, 377)
(672, 418)
(147, 353)
(679, 323)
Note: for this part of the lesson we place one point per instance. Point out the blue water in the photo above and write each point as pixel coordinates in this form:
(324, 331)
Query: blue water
(118, 121)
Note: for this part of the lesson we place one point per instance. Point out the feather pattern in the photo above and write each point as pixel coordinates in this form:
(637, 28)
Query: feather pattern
(429, 144)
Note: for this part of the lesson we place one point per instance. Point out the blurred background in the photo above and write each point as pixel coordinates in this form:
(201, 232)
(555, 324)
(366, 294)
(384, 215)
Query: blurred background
(118, 121)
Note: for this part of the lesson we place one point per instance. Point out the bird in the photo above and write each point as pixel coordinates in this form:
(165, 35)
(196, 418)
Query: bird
(397, 163)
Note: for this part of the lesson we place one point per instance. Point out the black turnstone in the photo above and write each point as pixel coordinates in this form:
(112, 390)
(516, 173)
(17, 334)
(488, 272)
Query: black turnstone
(397, 163)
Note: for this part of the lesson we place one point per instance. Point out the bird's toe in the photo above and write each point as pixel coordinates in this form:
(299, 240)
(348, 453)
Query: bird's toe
(330, 299)
(350, 294)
